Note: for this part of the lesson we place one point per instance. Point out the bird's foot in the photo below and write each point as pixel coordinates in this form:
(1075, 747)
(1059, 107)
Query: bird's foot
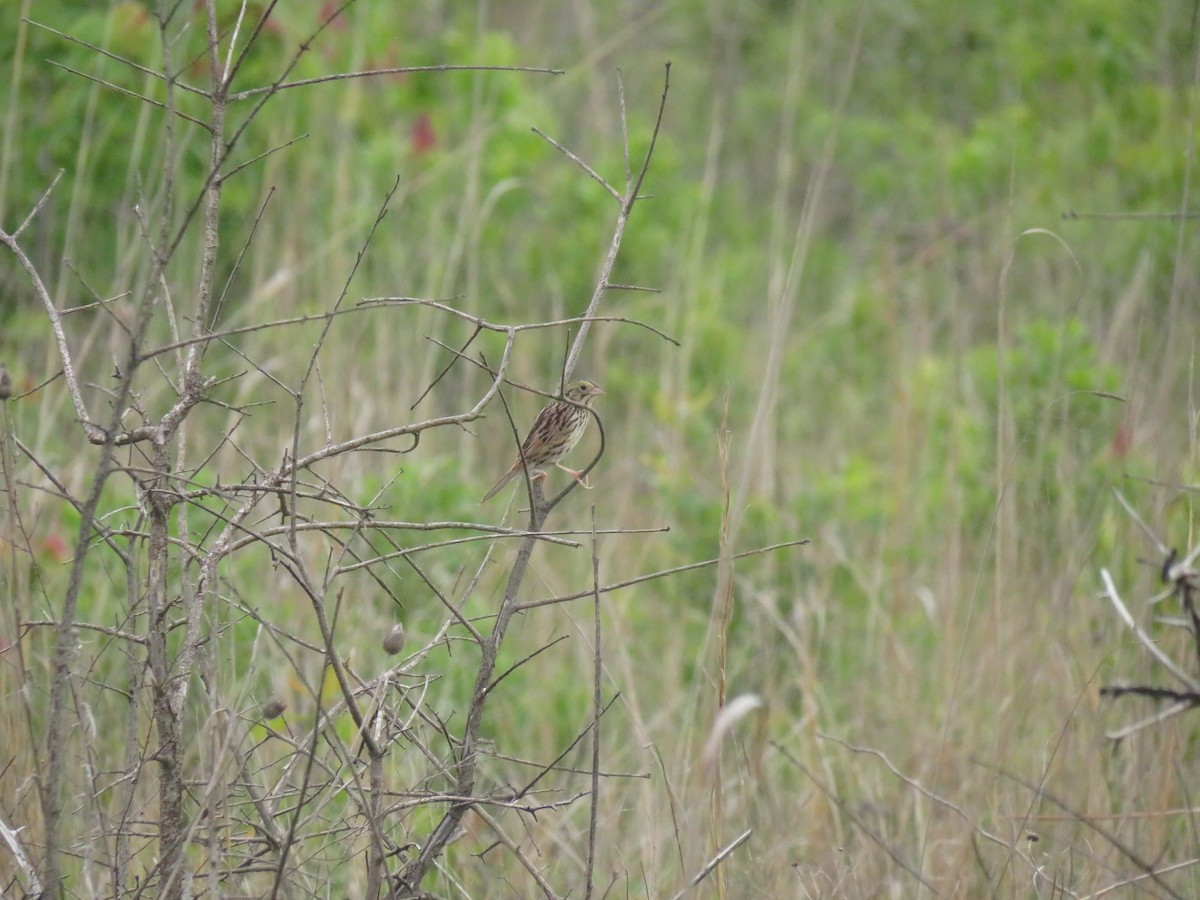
(577, 475)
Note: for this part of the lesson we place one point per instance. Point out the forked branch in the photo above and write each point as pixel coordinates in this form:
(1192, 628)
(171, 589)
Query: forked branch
(410, 878)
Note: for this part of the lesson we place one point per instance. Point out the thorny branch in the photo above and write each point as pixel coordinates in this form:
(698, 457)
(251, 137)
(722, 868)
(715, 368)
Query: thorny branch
(414, 872)
(266, 789)
(1182, 581)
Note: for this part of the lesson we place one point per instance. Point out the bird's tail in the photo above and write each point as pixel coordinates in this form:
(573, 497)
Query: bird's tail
(501, 483)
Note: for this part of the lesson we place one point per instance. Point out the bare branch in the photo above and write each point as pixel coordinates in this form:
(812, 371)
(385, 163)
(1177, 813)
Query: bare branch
(374, 73)
(527, 326)
(566, 598)
(94, 433)
(1148, 642)
(591, 173)
(141, 98)
(610, 260)
(597, 712)
(714, 862)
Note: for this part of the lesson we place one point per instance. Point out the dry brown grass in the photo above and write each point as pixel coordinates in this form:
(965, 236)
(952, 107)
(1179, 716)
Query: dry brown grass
(921, 683)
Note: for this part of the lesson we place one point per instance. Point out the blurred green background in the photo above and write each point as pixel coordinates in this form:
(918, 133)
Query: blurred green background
(926, 267)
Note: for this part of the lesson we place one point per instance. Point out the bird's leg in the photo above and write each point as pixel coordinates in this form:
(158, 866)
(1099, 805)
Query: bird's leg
(577, 475)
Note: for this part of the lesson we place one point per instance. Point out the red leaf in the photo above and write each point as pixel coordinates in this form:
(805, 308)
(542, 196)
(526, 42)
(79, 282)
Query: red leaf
(422, 135)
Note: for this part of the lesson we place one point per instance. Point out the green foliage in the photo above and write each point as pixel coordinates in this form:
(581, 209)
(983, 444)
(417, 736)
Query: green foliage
(916, 431)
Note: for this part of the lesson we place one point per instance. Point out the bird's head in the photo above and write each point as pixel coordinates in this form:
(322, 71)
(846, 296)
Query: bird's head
(583, 392)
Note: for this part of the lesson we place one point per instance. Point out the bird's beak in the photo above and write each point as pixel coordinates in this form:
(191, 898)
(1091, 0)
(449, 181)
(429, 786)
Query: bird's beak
(599, 390)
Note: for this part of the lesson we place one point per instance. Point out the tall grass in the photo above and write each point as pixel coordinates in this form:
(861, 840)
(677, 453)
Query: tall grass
(911, 357)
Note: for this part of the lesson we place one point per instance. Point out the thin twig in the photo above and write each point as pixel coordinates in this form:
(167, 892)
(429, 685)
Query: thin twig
(88, 626)
(662, 573)
(713, 863)
(597, 711)
(1137, 520)
(374, 73)
(11, 837)
(516, 851)
(134, 95)
(478, 322)
(591, 173)
(628, 200)
(921, 789)
(1148, 642)
(1128, 852)
(866, 829)
(94, 433)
